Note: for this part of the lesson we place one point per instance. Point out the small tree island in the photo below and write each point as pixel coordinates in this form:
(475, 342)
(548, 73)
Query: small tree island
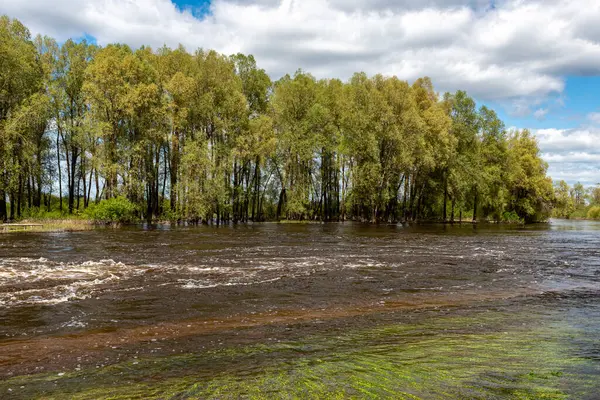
(205, 137)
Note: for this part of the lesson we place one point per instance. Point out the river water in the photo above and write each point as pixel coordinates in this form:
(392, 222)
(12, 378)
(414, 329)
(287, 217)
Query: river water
(302, 311)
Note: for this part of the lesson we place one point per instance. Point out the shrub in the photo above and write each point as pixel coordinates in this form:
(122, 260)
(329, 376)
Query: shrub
(117, 210)
(511, 217)
(594, 213)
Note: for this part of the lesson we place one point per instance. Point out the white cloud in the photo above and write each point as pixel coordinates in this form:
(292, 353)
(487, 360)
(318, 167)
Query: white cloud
(515, 53)
(594, 117)
(572, 154)
(569, 140)
(514, 50)
(540, 113)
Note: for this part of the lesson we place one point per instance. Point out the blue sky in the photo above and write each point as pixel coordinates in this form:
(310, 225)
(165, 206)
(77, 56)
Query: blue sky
(199, 8)
(536, 62)
(566, 110)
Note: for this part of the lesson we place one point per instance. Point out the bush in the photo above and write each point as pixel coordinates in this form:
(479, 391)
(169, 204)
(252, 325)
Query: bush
(594, 213)
(117, 210)
(511, 217)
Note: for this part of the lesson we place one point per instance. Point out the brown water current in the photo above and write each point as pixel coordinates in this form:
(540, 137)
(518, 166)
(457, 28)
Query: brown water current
(302, 311)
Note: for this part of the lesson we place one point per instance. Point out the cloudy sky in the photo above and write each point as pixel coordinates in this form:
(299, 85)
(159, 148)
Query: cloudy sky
(536, 62)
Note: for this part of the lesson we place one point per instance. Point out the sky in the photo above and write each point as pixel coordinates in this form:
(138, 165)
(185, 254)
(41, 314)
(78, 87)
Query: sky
(536, 62)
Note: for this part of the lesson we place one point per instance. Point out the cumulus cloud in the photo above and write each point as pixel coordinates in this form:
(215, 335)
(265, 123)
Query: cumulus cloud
(496, 50)
(594, 117)
(512, 52)
(573, 155)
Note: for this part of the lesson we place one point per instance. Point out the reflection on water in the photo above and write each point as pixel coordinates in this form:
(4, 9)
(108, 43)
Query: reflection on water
(308, 311)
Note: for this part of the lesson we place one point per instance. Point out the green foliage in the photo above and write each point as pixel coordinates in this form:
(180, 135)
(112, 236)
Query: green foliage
(42, 213)
(512, 217)
(594, 213)
(205, 137)
(575, 202)
(530, 191)
(594, 195)
(563, 204)
(115, 210)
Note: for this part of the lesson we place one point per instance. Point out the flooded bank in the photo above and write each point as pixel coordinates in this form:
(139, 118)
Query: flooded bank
(302, 311)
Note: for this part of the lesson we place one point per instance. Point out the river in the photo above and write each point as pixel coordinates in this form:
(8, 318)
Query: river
(302, 311)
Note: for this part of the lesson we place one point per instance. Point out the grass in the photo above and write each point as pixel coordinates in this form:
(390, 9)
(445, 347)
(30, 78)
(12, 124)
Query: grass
(50, 225)
(300, 222)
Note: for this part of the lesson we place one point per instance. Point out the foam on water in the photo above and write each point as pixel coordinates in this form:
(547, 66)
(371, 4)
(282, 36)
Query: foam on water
(43, 281)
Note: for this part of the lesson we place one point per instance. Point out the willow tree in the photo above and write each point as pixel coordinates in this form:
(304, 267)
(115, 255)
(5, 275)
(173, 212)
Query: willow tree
(564, 205)
(530, 191)
(21, 93)
(462, 174)
(174, 69)
(491, 193)
(295, 110)
(69, 110)
(400, 138)
(255, 141)
(218, 115)
(361, 126)
(204, 136)
(434, 147)
(106, 89)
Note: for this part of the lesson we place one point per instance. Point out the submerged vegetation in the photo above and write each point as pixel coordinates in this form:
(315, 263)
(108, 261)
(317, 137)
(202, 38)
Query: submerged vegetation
(206, 137)
(398, 361)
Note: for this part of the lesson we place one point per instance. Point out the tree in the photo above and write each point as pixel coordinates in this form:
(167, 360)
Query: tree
(594, 195)
(530, 190)
(69, 112)
(200, 136)
(578, 195)
(563, 206)
(21, 79)
(463, 174)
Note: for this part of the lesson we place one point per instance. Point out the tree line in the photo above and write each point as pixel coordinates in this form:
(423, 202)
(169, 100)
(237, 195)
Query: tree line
(576, 201)
(207, 137)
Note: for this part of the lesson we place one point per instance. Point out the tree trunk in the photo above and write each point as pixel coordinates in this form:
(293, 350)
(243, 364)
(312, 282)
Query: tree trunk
(79, 190)
(71, 169)
(3, 209)
(174, 168)
(19, 195)
(89, 190)
(59, 173)
(280, 204)
(98, 194)
(12, 205)
(29, 191)
(445, 199)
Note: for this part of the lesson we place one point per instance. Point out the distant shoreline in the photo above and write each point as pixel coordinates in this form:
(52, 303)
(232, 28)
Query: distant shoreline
(79, 225)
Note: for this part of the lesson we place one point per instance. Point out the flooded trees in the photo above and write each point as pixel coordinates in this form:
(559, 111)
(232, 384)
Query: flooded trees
(201, 136)
(23, 119)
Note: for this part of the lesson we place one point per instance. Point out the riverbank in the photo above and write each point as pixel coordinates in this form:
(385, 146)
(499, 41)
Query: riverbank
(51, 225)
(48, 225)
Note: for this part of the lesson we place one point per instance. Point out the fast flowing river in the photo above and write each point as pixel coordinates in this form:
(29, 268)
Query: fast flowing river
(302, 311)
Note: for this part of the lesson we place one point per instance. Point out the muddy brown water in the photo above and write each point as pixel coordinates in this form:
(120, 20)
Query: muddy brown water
(85, 301)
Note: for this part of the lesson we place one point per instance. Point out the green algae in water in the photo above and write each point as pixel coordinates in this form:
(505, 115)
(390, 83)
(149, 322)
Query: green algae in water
(438, 360)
